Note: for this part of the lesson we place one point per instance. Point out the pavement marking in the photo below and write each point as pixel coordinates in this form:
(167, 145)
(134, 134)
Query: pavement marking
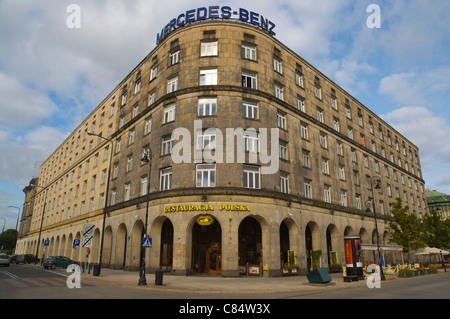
(7, 273)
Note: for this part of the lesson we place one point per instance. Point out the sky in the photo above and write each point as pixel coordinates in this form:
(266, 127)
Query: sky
(52, 74)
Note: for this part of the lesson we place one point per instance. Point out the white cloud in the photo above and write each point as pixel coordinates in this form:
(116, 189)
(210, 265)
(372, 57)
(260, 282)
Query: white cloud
(431, 134)
(21, 153)
(20, 105)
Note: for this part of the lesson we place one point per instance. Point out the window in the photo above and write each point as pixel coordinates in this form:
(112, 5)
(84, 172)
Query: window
(307, 188)
(325, 167)
(143, 190)
(208, 77)
(277, 66)
(358, 201)
(127, 192)
(249, 80)
(132, 137)
(323, 140)
(148, 126)
(250, 140)
(151, 98)
(206, 175)
(167, 145)
(172, 85)
(135, 111)
(166, 179)
(137, 86)
(348, 113)
(279, 91)
(304, 131)
(350, 133)
(282, 148)
(334, 103)
(305, 159)
(299, 79)
(129, 163)
(319, 112)
(343, 197)
(113, 196)
(153, 72)
(249, 110)
(327, 193)
(281, 119)
(284, 182)
(336, 124)
(206, 140)
(339, 148)
(207, 107)
(169, 113)
(124, 99)
(121, 121)
(248, 52)
(301, 104)
(356, 177)
(366, 161)
(116, 170)
(251, 176)
(174, 57)
(318, 92)
(341, 170)
(208, 49)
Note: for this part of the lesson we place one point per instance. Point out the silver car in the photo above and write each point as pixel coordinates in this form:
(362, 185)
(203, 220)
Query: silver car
(4, 260)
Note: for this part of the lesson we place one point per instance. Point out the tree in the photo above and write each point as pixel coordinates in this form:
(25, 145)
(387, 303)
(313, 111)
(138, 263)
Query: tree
(436, 232)
(406, 229)
(8, 239)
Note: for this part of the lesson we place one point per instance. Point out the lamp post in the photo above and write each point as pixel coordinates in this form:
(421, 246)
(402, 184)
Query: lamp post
(377, 186)
(148, 159)
(42, 219)
(3, 224)
(18, 216)
(97, 268)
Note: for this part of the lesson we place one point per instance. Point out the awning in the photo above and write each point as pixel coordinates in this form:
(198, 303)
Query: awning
(383, 247)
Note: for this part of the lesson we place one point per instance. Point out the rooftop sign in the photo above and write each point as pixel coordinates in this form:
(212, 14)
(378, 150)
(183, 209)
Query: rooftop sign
(216, 12)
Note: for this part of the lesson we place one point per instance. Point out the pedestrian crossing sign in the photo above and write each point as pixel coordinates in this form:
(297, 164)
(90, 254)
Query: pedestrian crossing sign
(146, 242)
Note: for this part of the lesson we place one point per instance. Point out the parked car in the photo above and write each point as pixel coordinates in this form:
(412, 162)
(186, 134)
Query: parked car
(57, 261)
(4, 260)
(26, 259)
(12, 258)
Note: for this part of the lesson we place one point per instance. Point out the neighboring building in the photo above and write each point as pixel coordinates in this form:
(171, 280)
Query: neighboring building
(439, 202)
(226, 75)
(28, 207)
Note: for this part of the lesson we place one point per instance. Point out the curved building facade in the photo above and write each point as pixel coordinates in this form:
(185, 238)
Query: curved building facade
(253, 154)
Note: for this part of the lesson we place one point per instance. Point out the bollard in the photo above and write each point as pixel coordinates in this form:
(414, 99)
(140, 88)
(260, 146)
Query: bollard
(159, 277)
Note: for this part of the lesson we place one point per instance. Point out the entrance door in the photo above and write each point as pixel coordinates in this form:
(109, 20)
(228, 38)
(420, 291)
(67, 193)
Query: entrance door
(213, 261)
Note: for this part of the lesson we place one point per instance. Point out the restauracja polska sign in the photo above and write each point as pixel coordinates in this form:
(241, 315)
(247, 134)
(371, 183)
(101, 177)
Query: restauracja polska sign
(216, 12)
(205, 207)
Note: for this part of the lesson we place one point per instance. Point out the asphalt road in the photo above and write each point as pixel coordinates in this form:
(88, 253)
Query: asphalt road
(25, 282)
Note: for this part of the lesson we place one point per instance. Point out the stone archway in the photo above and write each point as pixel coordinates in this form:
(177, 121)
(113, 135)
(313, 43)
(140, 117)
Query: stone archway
(120, 247)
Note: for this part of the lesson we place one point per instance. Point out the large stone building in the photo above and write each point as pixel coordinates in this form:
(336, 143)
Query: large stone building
(244, 208)
(439, 202)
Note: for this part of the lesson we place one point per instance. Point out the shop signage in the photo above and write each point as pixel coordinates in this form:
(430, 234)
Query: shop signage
(205, 207)
(205, 220)
(216, 12)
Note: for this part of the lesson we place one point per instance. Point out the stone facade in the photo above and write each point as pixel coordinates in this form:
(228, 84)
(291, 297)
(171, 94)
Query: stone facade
(226, 75)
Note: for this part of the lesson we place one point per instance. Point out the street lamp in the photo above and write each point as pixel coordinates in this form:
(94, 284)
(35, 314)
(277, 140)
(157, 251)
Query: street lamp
(17, 223)
(147, 158)
(42, 218)
(97, 267)
(377, 186)
(3, 224)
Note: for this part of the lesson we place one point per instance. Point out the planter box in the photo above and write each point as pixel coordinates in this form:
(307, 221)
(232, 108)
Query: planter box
(289, 272)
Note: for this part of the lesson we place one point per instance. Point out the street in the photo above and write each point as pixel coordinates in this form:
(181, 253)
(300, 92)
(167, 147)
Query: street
(34, 282)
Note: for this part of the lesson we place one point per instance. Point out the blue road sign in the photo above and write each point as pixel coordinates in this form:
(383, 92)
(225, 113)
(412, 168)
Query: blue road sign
(146, 242)
(46, 242)
(76, 242)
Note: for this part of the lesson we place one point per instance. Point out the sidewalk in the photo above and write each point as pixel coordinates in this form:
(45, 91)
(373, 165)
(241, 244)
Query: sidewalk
(217, 284)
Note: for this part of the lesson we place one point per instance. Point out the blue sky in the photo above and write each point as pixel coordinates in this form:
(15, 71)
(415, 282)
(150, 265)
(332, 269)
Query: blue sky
(52, 76)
